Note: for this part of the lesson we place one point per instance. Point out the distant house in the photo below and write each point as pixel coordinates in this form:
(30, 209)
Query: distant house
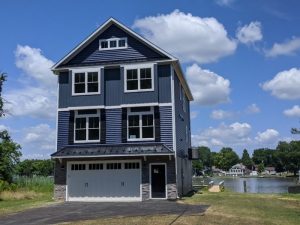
(254, 173)
(237, 170)
(218, 172)
(270, 170)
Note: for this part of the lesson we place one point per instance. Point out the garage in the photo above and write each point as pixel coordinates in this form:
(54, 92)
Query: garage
(104, 181)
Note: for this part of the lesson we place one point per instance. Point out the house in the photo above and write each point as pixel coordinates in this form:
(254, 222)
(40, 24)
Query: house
(269, 170)
(237, 170)
(123, 120)
(253, 173)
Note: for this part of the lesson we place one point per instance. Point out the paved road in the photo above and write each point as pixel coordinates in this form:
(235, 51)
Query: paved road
(74, 211)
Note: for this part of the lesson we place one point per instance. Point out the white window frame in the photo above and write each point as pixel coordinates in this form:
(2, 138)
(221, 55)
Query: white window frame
(140, 114)
(113, 39)
(138, 68)
(86, 71)
(87, 116)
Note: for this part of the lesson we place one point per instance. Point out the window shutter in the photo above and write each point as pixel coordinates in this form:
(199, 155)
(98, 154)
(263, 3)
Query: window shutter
(124, 125)
(157, 123)
(71, 128)
(103, 126)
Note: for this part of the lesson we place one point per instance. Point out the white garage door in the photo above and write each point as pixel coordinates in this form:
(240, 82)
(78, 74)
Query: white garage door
(104, 181)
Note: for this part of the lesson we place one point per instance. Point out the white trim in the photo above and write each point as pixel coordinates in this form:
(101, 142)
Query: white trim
(113, 39)
(108, 156)
(86, 71)
(150, 180)
(87, 116)
(104, 199)
(116, 107)
(140, 114)
(100, 30)
(56, 121)
(138, 67)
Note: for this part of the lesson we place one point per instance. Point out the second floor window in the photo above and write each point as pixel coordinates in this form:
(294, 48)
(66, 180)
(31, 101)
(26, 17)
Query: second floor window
(86, 82)
(87, 125)
(139, 78)
(140, 124)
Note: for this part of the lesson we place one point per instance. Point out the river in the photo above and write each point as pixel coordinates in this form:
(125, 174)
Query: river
(257, 185)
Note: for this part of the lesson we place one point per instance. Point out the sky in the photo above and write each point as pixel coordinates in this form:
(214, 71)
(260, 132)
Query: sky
(240, 58)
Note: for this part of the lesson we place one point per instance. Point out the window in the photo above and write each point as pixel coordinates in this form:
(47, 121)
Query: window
(112, 43)
(86, 82)
(133, 165)
(140, 124)
(78, 167)
(95, 166)
(87, 126)
(139, 78)
(113, 166)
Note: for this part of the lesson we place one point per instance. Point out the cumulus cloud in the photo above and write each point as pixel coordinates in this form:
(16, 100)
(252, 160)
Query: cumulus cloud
(250, 33)
(37, 97)
(220, 114)
(285, 85)
(39, 141)
(252, 109)
(208, 88)
(268, 136)
(293, 112)
(235, 134)
(289, 47)
(190, 38)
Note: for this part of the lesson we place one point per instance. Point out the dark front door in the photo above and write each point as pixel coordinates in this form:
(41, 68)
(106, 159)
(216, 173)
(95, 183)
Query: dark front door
(158, 181)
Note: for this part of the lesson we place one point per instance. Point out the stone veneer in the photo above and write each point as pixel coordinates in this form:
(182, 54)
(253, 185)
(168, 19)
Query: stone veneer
(60, 192)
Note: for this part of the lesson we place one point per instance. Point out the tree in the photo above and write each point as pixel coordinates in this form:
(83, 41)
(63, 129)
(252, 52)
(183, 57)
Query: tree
(246, 160)
(260, 168)
(9, 150)
(31, 167)
(205, 161)
(265, 156)
(226, 158)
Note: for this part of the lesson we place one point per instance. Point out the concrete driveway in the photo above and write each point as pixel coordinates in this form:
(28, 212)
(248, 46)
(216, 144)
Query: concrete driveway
(74, 211)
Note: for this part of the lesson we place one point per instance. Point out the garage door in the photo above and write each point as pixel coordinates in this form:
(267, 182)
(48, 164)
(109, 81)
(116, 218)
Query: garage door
(104, 181)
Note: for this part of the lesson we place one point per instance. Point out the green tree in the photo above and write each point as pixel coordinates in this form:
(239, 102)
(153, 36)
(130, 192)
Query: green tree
(265, 156)
(226, 158)
(205, 161)
(31, 167)
(246, 160)
(260, 168)
(9, 150)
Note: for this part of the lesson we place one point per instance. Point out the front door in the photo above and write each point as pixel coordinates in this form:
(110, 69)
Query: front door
(158, 181)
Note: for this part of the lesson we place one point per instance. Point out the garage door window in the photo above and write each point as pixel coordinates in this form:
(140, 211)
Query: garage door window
(113, 166)
(133, 165)
(78, 167)
(96, 166)
(87, 126)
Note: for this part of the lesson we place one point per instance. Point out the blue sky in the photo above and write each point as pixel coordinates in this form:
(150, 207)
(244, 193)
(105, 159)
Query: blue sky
(240, 57)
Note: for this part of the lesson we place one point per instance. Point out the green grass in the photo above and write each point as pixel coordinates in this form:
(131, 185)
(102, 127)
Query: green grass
(28, 193)
(224, 208)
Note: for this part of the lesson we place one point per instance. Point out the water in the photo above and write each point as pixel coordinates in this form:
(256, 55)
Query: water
(257, 185)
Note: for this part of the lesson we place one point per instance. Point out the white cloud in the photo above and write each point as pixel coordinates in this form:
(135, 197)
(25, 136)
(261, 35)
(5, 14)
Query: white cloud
(252, 109)
(208, 88)
(293, 112)
(37, 97)
(224, 2)
(38, 141)
(288, 47)
(285, 85)
(220, 114)
(3, 127)
(194, 114)
(235, 134)
(268, 136)
(190, 38)
(250, 33)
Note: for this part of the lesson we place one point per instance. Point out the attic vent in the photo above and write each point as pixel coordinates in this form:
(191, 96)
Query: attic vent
(112, 43)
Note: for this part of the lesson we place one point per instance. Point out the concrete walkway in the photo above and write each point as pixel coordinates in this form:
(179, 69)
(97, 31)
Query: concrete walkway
(67, 212)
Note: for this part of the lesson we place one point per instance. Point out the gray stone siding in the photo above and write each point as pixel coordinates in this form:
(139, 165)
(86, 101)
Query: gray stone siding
(60, 192)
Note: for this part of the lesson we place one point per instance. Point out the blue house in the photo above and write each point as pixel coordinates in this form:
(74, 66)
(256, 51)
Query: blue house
(123, 120)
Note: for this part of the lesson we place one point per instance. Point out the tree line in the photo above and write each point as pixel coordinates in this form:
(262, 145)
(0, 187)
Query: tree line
(284, 158)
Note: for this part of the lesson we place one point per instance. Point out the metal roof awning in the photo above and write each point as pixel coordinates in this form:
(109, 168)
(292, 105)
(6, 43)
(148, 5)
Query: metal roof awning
(113, 151)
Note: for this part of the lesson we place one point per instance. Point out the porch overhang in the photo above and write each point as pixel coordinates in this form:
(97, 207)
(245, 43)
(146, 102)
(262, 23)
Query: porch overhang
(104, 151)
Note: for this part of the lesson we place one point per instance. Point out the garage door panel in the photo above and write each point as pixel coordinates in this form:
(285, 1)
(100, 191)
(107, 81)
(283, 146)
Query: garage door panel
(104, 184)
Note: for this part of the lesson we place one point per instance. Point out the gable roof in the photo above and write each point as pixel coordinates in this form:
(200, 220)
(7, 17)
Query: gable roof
(102, 28)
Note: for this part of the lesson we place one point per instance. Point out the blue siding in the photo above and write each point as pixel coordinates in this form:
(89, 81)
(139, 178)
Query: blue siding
(63, 129)
(166, 136)
(113, 86)
(113, 126)
(136, 51)
(164, 84)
